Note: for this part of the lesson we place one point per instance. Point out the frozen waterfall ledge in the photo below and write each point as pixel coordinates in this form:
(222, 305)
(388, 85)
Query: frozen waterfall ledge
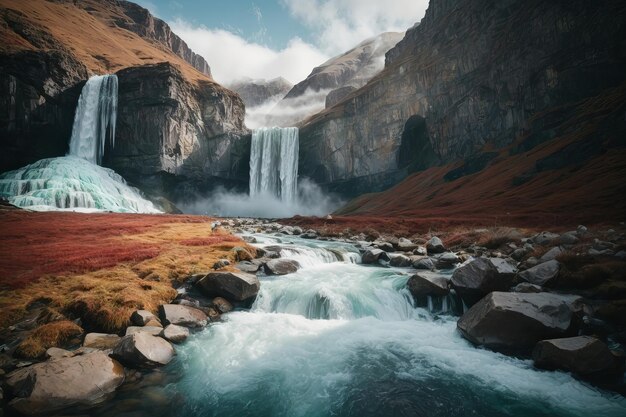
(71, 184)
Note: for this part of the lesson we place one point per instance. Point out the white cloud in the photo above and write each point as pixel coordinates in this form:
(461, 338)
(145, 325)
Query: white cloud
(341, 24)
(231, 57)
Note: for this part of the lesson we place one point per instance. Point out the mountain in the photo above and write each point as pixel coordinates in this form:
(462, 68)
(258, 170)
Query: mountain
(177, 130)
(488, 105)
(257, 92)
(339, 74)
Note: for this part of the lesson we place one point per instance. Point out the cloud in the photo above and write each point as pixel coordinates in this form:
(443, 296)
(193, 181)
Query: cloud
(231, 57)
(341, 24)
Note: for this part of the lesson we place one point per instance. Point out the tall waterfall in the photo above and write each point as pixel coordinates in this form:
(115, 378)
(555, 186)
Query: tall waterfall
(274, 163)
(95, 118)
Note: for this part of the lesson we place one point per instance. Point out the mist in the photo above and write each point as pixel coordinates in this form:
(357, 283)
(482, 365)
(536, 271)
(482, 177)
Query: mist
(287, 111)
(312, 201)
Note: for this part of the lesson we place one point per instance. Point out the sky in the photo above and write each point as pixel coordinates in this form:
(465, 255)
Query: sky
(265, 39)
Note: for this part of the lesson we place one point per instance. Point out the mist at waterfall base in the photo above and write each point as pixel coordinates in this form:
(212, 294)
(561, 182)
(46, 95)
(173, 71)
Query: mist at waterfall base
(76, 182)
(311, 201)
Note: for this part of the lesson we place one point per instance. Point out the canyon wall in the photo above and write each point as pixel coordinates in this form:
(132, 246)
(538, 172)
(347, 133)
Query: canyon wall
(472, 76)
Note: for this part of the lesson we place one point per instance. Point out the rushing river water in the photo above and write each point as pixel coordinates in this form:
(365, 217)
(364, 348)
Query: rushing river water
(338, 338)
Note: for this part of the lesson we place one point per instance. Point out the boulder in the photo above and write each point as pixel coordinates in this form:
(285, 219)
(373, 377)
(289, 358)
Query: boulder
(406, 245)
(583, 355)
(447, 260)
(79, 380)
(151, 330)
(175, 334)
(142, 350)
(420, 250)
(551, 254)
(527, 287)
(505, 269)
(518, 254)
(384, 246)
(435, 245)
(101, 340)
(56, 353)
(517, 321)
(424, 284)
(222, 305)
(371, 256)
(424, 263)
(569, 238)
(182, 315)
(141, 317)
(400, 261)
(544, 238)
(542, 274)
(247, 266)
(281, 266)
(234, 286)
(478, 278)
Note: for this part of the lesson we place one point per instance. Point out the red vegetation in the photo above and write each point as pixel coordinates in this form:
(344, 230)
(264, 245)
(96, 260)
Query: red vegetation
(35, 244)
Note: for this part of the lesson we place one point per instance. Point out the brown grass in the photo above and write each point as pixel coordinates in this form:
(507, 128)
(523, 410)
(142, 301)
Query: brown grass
(55, 334)
(498, 236)
(105, 297)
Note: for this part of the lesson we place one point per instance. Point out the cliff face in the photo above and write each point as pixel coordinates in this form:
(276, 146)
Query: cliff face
(471, 76)
(257, 92)
(174, 137)
(176, 123)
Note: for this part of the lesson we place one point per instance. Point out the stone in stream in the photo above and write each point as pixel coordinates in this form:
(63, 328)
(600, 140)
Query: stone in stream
(420, 250)
(141, 317)
(517, 321)
(424, 263)
(400, 261)
(478, 278)
(583, 355)
(505, 269)
(80, 380)
(175, 334)
(542, 274)
(447, 260)
(101, 340)
(56, 353)
(435, 245)
(247, 266)
(384, 246)
(222, 305)
(281, 266)
(142, 350)
(234, 286)
(424, 284)
(371, 256)
(182, 315)
(406, 245)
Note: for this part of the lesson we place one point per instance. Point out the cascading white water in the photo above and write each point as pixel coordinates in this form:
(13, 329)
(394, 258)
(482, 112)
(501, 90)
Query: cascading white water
(342, 339)
(274, 163)
(95, 118)
(76, 182)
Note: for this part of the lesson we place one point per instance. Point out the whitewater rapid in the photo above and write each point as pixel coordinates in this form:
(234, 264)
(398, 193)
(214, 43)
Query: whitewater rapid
(343, 339)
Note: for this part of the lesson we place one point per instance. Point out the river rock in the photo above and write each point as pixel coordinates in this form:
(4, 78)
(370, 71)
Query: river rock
(406, 245)
(582, 355)
(551, 255)
(420, 250)
(384, 246)
(141, 317)
(247, 266)
(505, 269)
(234, 286)
(281, 266)
(371, 256)
(569, 238)
(222, 263)
(542, 274)
(423, 284)
(142, 350)
(222, 305)
(151, 330)
(182, 315)
(56, 353)
(544, 238)
(517, 321)
(175, 334)
(424, 263)
(447, 260)
(79, 380)
(435, 245)
(527, 287)
(400, 261)
(101, 340)
(477, 279)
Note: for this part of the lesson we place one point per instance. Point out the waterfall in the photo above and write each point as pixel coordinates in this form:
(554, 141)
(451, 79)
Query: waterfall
(95, 118)
(274, 163)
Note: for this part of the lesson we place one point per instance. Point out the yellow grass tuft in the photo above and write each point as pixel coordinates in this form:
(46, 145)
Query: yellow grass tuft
(54, 334)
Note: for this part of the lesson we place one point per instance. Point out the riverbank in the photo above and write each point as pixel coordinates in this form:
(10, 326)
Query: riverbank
(153, 272)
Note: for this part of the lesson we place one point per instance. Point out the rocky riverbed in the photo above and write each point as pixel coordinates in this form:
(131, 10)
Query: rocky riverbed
(557, 299)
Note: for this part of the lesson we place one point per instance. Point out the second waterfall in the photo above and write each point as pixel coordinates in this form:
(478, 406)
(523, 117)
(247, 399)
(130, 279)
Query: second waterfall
(274, 163)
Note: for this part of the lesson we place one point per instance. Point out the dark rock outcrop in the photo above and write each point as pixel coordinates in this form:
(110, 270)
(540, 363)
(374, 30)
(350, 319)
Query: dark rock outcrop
(476, 73)
(79, 380)
(583, 355)
(542, 274)
(174, 137)
(424, 284)
(517, 321)
(371, 256)
(234, 286)
(338, 94)
(477, 279)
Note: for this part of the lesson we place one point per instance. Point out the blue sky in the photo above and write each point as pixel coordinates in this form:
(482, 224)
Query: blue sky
(271, 38)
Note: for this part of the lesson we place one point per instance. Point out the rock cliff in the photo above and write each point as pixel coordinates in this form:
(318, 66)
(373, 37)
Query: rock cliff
(256, 92)
(175, 122)
(472, 75)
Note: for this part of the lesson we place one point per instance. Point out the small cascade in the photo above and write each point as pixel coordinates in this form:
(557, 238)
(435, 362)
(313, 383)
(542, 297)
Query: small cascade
(274, 163)
(94, 122)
